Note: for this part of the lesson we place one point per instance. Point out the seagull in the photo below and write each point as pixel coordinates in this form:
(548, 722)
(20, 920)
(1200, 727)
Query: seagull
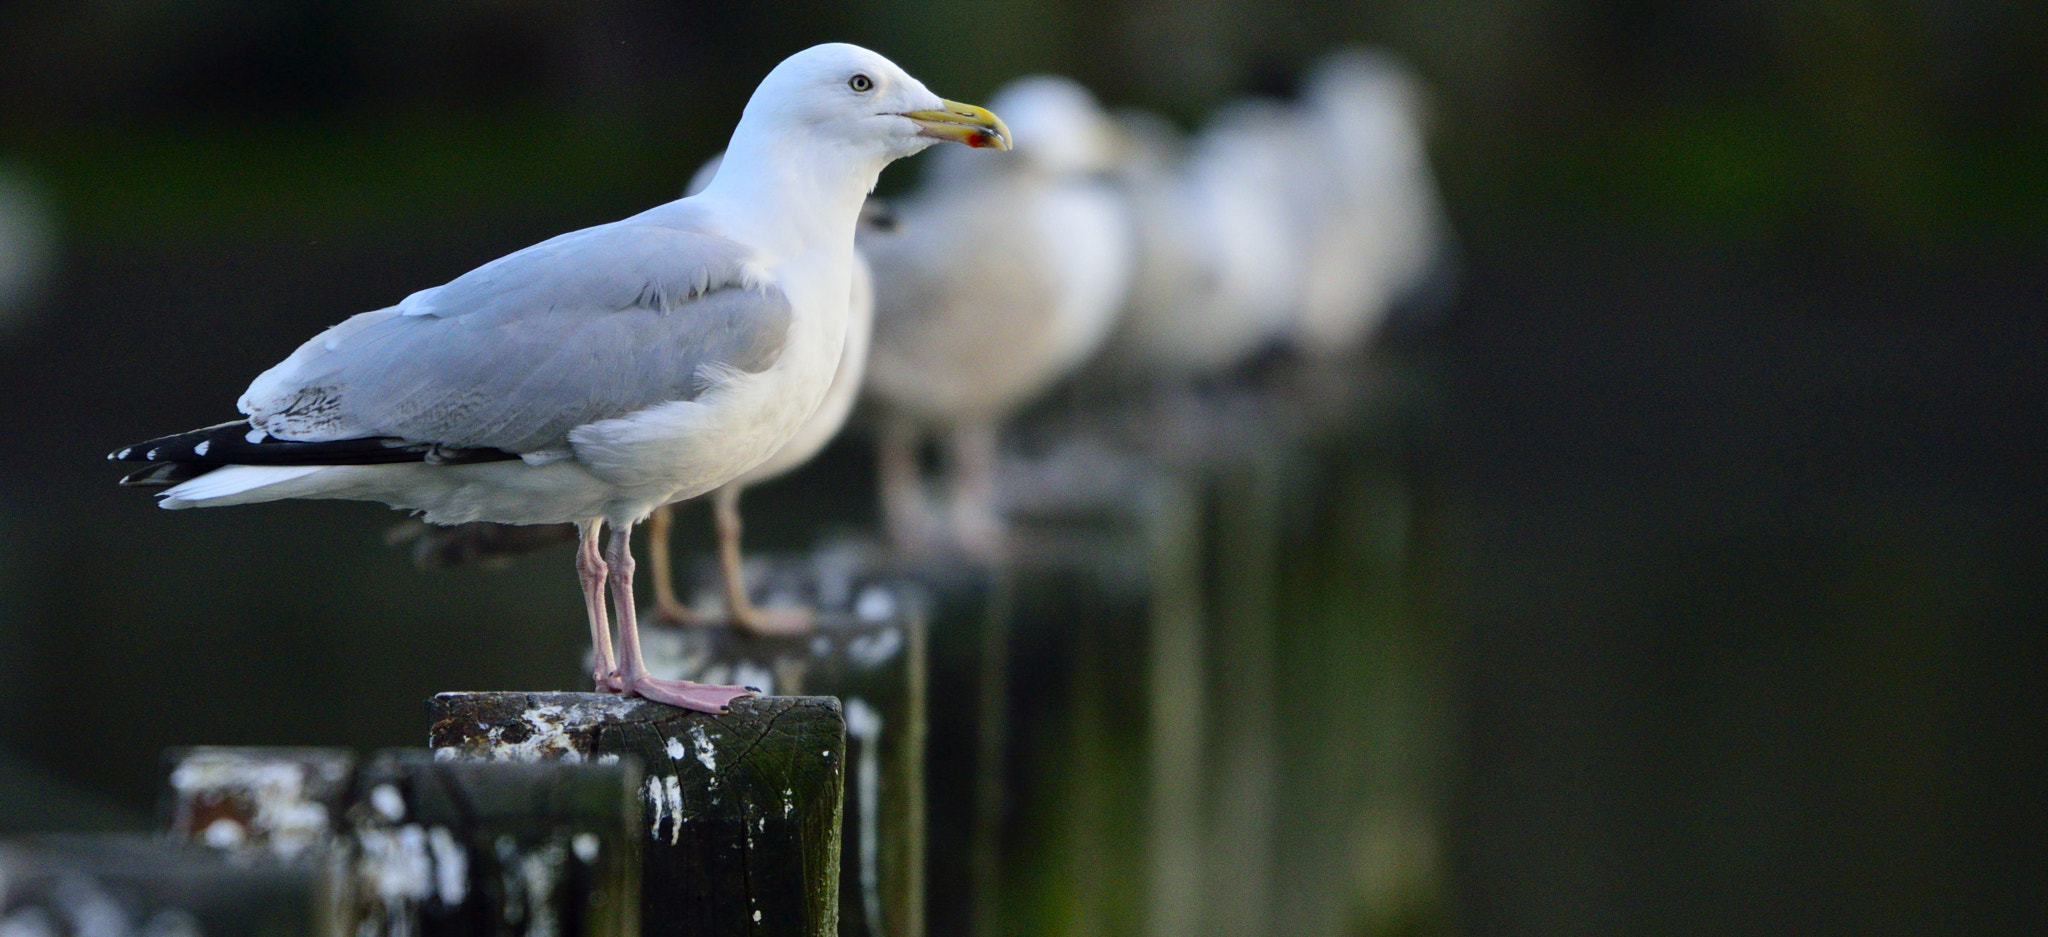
(1001, 276)
(824, 424)
(488, 543)
(1219, 271)
(1366, 196)
(602, 373)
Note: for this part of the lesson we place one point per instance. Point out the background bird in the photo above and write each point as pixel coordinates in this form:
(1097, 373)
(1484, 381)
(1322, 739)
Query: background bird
(1000, 277)
(1364, 198)
(602, 373)
(824, 424)
(1220, 244)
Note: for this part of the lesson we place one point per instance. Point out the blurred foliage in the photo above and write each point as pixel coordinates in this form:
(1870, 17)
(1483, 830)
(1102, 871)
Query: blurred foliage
(1903, 121)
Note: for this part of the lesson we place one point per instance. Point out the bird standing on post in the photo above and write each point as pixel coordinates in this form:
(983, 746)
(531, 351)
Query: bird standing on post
(824, 424)
(1000, 277)
(602, 373)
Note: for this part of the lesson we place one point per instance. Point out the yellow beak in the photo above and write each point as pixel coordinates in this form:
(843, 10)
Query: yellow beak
(963, 123)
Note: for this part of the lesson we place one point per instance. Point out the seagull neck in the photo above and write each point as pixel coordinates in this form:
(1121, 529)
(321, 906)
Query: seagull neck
(793, 194)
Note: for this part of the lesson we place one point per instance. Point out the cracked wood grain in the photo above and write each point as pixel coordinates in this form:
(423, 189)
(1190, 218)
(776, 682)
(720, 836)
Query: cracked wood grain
(739, 812)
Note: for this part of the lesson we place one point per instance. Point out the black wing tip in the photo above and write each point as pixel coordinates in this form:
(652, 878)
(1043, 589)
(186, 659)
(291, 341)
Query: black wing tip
(230, 444)
(179, 447)
(165, 474)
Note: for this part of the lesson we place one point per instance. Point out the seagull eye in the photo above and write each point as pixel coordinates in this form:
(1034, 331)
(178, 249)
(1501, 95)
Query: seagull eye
(861, 84)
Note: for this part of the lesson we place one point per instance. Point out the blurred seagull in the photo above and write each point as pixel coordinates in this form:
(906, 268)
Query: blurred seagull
(1219, 270)
(1001, 276)
(599, 374)
(1373, 226)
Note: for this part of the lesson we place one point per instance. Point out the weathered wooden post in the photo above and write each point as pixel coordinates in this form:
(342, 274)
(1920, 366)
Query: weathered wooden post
(739, 815)
(869, 650)
(112, 885)
(446, 847)
(282, 802)
(1177, 712)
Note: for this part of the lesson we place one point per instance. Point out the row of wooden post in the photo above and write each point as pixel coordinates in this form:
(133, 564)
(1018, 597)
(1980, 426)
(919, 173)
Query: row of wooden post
(545, 814)
(588, 815)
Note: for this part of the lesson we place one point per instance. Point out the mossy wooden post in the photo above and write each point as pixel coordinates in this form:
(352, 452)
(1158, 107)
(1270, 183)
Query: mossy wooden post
(447, 847)
(1243, 771)
(868, 649)
(1177, 717)
(79, 885)
(285, 803)
(739, 814)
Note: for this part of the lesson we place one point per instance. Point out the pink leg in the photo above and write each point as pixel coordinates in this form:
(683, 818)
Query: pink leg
(633, 675)
(971, 457)
(667, 607)
(904, 511)
(739, 607)
(591, 572)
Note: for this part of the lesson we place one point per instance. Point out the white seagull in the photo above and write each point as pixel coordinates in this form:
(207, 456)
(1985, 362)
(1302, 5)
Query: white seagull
(1366, 196)
(1220, 268)
(1002, 276)
(600, 374)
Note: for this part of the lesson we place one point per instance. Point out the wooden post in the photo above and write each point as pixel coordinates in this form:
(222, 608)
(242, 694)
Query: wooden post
(78, 885)
(446, 847)
(1174, 847)
(869, 650)
(282, 802)
(740, 813)
(1243, 771)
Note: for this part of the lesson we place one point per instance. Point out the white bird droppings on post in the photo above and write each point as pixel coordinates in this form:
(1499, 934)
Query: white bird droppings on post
(665, 797)
(707, 754)
(655, 802)
(875, 604)
(675, 749)
(537, 871)
(451, 866)
(277, 795)
(222, 834)
(396, 862)
(876, 649)
(585, 845)
(864, 725)
(388, 802)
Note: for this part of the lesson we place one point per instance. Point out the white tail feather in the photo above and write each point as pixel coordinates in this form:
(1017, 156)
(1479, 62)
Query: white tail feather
(234, 484)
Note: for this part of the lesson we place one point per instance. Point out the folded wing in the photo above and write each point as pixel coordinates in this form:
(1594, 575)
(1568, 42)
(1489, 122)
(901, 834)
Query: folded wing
(591, 325)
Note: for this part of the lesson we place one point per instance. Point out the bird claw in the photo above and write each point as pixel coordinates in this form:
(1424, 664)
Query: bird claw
(701, 697)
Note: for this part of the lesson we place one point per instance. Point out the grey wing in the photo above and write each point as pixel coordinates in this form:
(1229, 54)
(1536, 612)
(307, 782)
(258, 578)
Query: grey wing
(515, 354)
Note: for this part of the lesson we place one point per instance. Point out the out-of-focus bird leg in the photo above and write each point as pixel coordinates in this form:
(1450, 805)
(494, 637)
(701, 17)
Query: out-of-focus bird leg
(633, 675)
(739, 607)
(591, 573)
(667, 607)
(971, 470)
(903, 507)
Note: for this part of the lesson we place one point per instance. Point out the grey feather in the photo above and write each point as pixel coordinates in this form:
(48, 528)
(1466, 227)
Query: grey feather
(591, 325)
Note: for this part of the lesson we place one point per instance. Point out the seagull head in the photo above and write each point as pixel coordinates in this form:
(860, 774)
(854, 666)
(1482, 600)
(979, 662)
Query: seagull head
(844, 95)
(1065, 130)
